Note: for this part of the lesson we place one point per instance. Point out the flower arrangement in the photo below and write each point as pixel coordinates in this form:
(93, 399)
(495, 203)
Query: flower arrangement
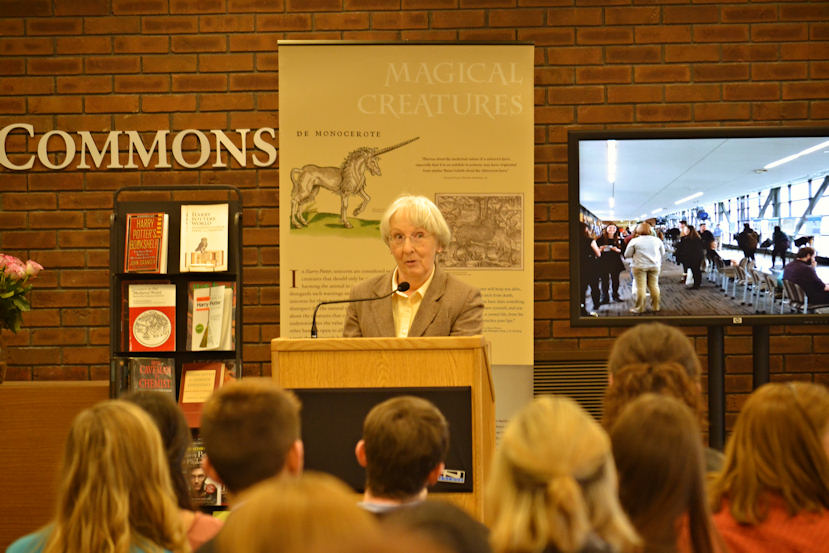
(14, 287)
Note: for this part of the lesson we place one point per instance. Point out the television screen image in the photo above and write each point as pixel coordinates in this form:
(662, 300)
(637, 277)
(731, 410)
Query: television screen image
(699, 226)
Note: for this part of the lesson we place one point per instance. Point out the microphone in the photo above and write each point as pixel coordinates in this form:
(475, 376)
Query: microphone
(402, 287)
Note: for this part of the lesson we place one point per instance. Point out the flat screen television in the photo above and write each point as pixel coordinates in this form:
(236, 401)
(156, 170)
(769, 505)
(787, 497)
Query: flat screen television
(671, 178)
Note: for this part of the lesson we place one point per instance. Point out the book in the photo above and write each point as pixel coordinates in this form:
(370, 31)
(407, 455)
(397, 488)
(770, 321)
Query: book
(204, 491)
(152, 317)
(204, 237)
(211, 316)
(199, 379)
(145, 244)
(155, 374)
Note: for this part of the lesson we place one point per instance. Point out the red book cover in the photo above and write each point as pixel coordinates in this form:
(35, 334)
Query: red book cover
(145, 246)
(152, 323)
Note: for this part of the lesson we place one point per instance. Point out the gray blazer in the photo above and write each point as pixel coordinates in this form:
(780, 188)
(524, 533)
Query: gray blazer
(449, 308)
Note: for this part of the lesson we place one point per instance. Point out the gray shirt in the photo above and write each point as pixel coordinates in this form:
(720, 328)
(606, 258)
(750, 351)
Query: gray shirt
(646, 252)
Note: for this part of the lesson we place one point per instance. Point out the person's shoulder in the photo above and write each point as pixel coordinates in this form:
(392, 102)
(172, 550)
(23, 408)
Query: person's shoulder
(30, 543)
(372, 282)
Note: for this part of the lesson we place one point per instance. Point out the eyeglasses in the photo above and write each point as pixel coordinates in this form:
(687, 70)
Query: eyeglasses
(417, 239)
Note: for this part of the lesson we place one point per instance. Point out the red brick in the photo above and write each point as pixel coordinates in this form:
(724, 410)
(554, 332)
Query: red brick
(33, 356)
(400, 20)
(632, 54)
(718, 72)
(458, 19)
(54, 26)
(12, 26)
(662, 34)
(603, 75)
(634, 94)
(803, 51)
(604, 35)
(520, 17)
(84, 85)
(81, 7)
(142, 44)
(722, 112)
(197, 6)
(427, 35)
(54, 66)
(142, 83)
(604, 114)
(149, 7)
(84, 45)
(199, 43)
(548, 37)
(267, 62)
(673, 113)
(749, 14)
(121, 25)
(690, 14)
(168, 103)
(693, 93)
(751, 91)
(58, 298)
(809, 90)
(26, 46)
(163, 25)
(749, 52)
(55, 104)
(309, 5)
(661, 73)
(341, 21)
(29, 201)
(782, 111)
(226, 24)
(85, 317)
(12, 220)
(198, 83)
(779, 32)
(56, 181)
(85, 355)
(697, 53)
(225, 62)
(12, 66)
(199, 121)
(721, 33)
(226, 102)
(58, 336)
(253, 81)
(112, 104)
(113, 64)
(141, 121)
(818, 11)
(22, 239)
(285, 22)
(83, 239)
(172, 63)
(554, 75)
(84, 279)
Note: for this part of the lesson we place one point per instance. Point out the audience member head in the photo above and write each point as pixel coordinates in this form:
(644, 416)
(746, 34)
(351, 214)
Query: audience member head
(553, 483)
(636, 379)
(643, 229)
(805, 253)
(421, 212)
(659, 457)
(442, 524)
(814, 400)
(774, 448)
(250, 430)
(692, 232)
(314, 513)
(115, 490)
(653, 343)
(175, 437)
(404, 445)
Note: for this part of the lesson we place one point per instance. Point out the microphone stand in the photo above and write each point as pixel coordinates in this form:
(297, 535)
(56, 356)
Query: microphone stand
(402, 287)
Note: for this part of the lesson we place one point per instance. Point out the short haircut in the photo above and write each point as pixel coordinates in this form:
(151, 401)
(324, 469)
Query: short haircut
(405, 438)
(643, 229)
(441, 523)
(805, 251)
(175, 436)
(653, 343)
(248, 428)
(774, 448)
(636, 379)
(422, 212)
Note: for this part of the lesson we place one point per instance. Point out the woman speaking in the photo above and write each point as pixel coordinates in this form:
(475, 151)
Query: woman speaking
(435, 303)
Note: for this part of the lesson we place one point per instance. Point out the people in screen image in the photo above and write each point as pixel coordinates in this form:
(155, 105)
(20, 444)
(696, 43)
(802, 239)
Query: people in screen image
(802, 272)
(435, 302)
(747, 241)
(610, 263)
(780, 245)
(692, 253)
(646, 252)
(590, 253)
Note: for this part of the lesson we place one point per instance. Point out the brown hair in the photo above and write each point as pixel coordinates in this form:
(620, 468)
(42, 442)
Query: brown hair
(631, 381)
(654, 343)
(642, 229)
(805, 251)
(405, 438)
(692, 232)
(175, 436)
(814, 400)
(313, 513)
(248, 427)
(659, 457)
(773, 448)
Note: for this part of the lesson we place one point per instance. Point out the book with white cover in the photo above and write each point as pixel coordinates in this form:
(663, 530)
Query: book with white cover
(204, 237)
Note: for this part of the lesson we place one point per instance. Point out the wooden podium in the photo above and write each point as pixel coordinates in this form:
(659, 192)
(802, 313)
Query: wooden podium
(377, 363)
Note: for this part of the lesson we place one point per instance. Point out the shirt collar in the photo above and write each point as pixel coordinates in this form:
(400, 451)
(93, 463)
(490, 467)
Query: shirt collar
(423, 287)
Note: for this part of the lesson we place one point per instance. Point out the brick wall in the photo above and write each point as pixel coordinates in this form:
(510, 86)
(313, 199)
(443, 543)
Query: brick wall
(153, 64)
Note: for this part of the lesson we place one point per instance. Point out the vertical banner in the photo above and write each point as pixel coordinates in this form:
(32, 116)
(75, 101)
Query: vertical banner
(360, 124)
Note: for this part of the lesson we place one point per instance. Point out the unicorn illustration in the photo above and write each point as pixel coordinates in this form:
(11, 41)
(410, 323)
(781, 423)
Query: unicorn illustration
(346, 180)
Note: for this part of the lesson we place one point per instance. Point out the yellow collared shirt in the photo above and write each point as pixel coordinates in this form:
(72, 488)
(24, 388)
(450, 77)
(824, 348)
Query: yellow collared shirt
(405, 307)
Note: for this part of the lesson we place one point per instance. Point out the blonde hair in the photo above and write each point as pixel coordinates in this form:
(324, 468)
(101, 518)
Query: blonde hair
(659, 456)
(422, 212)
(553, 482)
(774, 448)
(654, 343)
(814, 400)
(312, 513)
(115, 491)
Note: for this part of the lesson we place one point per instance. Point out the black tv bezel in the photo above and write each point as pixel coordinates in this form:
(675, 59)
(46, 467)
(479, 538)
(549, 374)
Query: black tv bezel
(574, 136)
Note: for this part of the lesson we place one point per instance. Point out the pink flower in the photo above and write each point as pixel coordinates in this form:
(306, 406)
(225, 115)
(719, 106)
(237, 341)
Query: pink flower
(15, 269)
(33, 268)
